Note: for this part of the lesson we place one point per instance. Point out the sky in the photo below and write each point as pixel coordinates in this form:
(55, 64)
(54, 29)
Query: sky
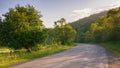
(53, 10)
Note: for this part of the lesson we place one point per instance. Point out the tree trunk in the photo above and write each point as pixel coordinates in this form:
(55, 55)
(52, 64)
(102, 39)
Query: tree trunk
(28, 49)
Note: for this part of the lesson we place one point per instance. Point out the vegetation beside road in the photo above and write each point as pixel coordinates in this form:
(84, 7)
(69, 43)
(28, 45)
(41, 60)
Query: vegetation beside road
(114, 47)
(21, 56)
(22, 29)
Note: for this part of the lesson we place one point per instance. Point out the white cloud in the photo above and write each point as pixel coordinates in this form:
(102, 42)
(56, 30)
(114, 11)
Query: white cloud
(115, 4)
(85, 11)
(81, 13)
(111, 5)
(78, 14)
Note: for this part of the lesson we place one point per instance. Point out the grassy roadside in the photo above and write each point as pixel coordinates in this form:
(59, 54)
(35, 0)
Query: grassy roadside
(114, 47)
(7, 59)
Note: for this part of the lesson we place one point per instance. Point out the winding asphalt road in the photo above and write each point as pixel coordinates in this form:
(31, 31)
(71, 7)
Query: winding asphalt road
(80, 56)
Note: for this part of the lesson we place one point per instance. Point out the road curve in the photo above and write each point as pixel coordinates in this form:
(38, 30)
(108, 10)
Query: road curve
(80, 56)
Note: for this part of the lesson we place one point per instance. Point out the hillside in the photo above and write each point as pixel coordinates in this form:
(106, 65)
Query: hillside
(83, 25)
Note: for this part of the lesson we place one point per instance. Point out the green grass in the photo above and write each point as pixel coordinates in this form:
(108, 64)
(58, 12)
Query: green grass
(4, 49)
(114, 47)
(6, 59)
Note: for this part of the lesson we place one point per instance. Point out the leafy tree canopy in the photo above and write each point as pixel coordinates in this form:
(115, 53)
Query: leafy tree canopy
(22, 27)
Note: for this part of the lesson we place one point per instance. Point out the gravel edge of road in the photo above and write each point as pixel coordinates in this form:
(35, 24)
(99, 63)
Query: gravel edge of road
(113, 62)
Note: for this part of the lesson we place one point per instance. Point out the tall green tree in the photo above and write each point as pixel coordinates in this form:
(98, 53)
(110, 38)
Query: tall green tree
(23, 27)
(114, 14)
(64, 33)
(61, 22)
(107, 28)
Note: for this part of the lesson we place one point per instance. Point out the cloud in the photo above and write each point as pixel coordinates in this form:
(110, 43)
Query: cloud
(115, 4)
(81, 13)
(86, 12)
(111, 5)
(78, 14)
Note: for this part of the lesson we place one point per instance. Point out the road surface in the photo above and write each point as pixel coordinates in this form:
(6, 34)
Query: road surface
(80, 56)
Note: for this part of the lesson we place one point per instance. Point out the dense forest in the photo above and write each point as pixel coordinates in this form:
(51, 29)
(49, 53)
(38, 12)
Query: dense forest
(101, 27)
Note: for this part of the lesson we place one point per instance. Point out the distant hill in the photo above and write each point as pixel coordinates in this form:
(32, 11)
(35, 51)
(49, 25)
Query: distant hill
(83, 25)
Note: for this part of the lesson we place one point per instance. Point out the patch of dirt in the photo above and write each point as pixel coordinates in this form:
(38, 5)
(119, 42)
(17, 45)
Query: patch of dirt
(115, 63)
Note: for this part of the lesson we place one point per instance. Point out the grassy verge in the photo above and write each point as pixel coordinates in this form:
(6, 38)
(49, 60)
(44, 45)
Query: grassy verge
(7, 59)
(114, 47)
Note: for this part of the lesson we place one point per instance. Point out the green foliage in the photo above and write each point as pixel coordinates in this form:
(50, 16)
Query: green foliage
(114, 47)
(0, 29)
(63, 33)
(22, 28)
(69, 34)
(60, 22)
(107, 28)
(83, 25)
(103, 29)
(7, 59)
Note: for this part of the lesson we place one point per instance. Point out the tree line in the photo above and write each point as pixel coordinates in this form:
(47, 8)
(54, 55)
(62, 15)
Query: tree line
(83, 25)
(22, 27)
(103, 29)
